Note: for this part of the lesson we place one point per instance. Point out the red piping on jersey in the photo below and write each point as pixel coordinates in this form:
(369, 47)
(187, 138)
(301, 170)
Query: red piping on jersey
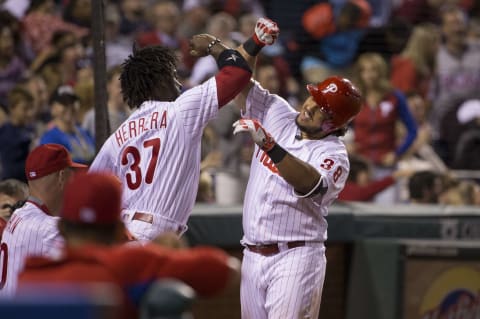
(37, 202)
(230, 80)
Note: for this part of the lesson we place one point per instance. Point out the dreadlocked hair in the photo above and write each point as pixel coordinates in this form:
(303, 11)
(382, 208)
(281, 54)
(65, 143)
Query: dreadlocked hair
(144, 71)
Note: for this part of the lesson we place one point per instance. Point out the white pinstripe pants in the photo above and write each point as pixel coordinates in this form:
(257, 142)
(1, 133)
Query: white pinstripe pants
(287, 285)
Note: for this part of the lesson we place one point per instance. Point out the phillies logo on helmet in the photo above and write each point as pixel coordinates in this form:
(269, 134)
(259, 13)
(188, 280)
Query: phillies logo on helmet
(332, 88)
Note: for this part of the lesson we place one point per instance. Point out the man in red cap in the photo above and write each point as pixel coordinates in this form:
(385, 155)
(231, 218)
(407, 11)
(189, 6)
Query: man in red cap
(91, 225)
(294, 178)
(32, 230)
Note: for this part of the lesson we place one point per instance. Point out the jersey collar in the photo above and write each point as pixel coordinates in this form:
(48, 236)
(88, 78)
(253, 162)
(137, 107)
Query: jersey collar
(39, 203)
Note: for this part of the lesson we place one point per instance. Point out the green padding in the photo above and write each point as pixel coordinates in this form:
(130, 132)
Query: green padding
(221, 230)
(222, 225)
(374, 280)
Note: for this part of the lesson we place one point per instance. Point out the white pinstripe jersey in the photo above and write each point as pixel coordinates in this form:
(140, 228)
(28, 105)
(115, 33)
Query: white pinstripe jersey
(30, 232)
(272, 212)
(156, 153)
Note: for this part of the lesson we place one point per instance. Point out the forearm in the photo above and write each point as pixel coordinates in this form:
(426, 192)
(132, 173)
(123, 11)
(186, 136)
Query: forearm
(301, 175)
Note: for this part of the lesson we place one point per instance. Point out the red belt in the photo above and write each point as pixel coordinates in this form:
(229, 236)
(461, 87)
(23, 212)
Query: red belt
(144, 217)
(272, 249)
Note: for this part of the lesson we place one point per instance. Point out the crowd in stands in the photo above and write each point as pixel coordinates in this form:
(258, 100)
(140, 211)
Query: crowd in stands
(417, 64)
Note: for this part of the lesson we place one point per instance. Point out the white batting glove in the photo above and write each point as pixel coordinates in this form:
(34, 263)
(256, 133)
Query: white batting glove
(261, 137)
(266, 32)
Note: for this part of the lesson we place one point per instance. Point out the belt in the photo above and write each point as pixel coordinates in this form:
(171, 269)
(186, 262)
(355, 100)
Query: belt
(144, 217)
(272, 249)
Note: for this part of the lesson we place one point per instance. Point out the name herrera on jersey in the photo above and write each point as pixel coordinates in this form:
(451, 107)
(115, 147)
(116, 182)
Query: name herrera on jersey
(133, 128)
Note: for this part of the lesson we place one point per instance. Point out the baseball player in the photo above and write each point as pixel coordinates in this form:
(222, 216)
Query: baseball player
(298, 168)
(90, 223)
(156, 152)
(32, 229)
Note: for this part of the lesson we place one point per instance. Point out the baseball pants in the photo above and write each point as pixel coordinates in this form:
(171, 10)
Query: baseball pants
(287, 285)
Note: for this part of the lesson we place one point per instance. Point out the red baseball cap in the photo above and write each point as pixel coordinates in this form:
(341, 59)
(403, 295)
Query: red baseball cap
(93, 198)
(47, 159)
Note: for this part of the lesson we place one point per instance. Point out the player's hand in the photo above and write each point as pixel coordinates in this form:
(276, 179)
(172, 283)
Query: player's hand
(199, 44)
(261, 137)
(266, 32)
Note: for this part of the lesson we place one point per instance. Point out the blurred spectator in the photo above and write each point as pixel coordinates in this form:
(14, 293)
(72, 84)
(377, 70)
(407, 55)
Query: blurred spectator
(117, 109)
(85, 90)
(42, 21)
(234, 8)
(245, 23)
(194, 19)
(132, 17)
(17, 134)
(418, 11)
(458, 70)
(425, 187)
(117, 46)
(338, 37)
(267, 76)
(414, 67)
(381, 12)
(467, 150)
(165, 17)
(221, 26)
(386, 40)
(13, 194)
(78, 12)
(421, 155)
(474, 32)
(205, 189)
(361, 187)
(32, 230)
(92, 252)
(36, 86)
(460, 193)
(65, 62)
(60, 39)
(460, 133)
(15, 7)
(288, 15)
(12, 67)
(65, 131)
(22, 48)
(375, 126)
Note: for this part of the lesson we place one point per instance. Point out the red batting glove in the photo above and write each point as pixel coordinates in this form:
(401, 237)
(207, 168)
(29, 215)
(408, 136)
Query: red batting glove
(266, 32)
(263, 139)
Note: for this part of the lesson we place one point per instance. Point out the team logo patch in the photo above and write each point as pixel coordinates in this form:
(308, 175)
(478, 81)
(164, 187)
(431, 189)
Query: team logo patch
(331, 88)
(233, 57)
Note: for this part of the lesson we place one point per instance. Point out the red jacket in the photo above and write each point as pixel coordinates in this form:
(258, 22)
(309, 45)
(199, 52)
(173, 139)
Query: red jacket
(131, 267)
(355, 192)
(374, 129)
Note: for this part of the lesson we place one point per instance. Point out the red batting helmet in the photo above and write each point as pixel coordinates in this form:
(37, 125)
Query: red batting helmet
(338, 98)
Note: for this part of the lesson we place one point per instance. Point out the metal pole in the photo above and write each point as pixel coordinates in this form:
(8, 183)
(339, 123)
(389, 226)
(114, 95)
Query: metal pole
(102, 124)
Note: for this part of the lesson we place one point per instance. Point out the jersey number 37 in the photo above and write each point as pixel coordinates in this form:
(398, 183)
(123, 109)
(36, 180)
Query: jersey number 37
(135, 176)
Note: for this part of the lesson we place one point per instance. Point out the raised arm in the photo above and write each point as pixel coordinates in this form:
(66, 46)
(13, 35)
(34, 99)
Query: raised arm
(235, 66)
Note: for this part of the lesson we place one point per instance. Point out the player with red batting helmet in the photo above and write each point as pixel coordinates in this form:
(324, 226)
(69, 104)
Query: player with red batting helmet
(298, 169)
(156, 151)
